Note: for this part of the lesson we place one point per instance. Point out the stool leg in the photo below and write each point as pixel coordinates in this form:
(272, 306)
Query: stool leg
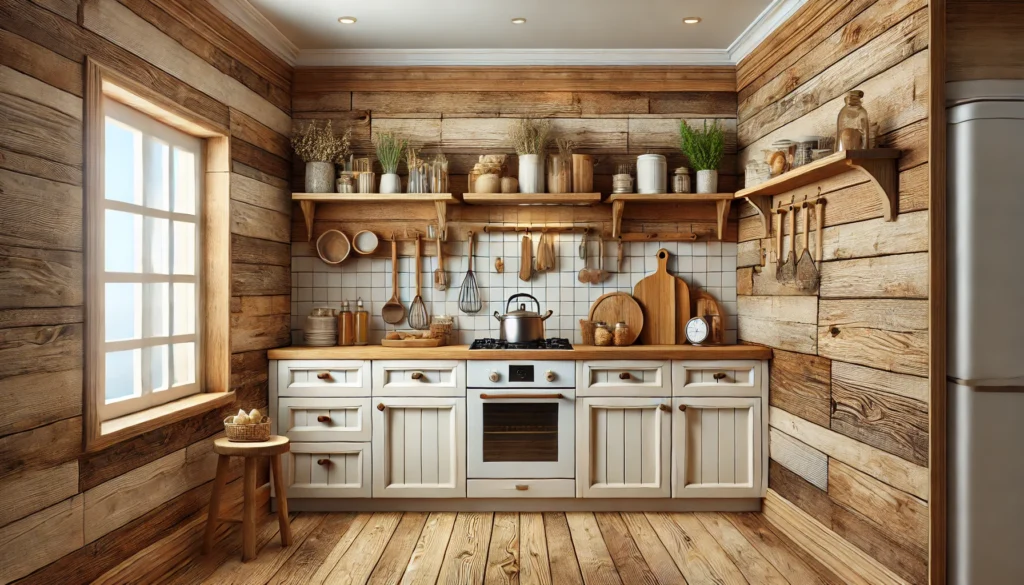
(282, 500)
(249, 510)
(212, 515)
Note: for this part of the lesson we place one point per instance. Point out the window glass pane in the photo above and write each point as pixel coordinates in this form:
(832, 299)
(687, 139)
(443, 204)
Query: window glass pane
(184, 363)
(157, 313)
(122, 163)
(184, 308)
(156, 172)
(158, 367)
(123, 235)
(122, 302)
(184, 181)
(184, 247)
(157, 245)
(123, 379)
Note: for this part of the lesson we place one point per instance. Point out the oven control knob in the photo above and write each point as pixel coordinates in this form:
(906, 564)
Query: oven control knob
(493, 376)
(550, 376)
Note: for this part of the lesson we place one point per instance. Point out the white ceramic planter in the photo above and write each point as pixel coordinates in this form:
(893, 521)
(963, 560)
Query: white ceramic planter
(531, 173)
(319, 177)
(707, 181)
(390, 183)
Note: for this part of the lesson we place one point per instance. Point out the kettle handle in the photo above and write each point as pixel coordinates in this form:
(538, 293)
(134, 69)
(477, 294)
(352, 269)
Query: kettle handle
(518, 295)
(546, 315)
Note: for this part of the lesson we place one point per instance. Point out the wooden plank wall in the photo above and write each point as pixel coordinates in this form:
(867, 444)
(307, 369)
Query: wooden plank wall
(849, 390)
(67, 516)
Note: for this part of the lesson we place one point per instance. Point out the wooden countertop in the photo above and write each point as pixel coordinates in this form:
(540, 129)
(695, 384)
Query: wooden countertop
(579, 352)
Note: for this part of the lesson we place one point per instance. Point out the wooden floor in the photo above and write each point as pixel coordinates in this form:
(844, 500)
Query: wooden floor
(508, 548)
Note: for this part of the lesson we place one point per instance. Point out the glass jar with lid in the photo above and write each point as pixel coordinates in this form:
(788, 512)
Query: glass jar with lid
(852, 129)
(681, 181)
(602, 334)
(621, 334)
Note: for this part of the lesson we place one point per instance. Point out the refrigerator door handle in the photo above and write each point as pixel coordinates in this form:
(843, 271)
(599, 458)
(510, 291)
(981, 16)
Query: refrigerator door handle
(992, 382)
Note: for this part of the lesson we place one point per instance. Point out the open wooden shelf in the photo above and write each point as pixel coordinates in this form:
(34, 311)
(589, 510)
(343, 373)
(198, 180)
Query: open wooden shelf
(308, 201)
(532, 198)
(722, 201)
(878, 165)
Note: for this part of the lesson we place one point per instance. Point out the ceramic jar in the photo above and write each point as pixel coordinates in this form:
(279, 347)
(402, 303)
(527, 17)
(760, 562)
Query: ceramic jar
(531, 173)
(509, 185)
(651, 173)
(488, 183)
(390, 183)
(681, 181)
(319, 177)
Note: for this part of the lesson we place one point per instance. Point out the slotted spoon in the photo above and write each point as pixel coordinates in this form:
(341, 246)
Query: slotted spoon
(418, 318)
(393, 311)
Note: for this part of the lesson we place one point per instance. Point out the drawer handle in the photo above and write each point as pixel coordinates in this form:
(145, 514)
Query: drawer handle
(624, 376)
(323, 418)
(682, 408)
(664, 408)
(324, 376)
(522, 487)
(381, 407)
(416, 375)
(324, 462)
(719, 375)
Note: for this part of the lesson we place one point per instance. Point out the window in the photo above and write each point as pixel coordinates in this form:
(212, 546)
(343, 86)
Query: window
(150, 277)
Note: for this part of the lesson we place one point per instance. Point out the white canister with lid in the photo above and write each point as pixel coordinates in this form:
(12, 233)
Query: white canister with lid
(651, 173)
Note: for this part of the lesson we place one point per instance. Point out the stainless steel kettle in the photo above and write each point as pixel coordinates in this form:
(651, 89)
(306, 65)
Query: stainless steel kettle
(521, 326)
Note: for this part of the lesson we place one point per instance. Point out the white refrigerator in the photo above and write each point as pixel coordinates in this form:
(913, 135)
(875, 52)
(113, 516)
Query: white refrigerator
(985, 370)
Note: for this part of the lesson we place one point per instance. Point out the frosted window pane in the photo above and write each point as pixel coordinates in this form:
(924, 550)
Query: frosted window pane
(157, 313)
(184, 363)
(156, 174)
(123, 235)
(157, 255)
(184, 308)
(122, 304)
(158, 367)
(124, 378)
(184, 181)
(184, 247)
(122, 163)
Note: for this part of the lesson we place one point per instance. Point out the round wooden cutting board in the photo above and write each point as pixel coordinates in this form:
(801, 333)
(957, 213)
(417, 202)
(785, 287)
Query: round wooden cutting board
(618, 306)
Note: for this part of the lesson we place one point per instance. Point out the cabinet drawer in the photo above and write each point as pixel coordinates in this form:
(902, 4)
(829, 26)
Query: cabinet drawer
(717, 378)
(419, 378)
(324, 419)
(624, 378)
(328, 470)
(521, 488)
(326, 378)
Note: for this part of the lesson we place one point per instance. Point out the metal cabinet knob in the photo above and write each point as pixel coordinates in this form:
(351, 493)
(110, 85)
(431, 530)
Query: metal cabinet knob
(324, 376)
(323, 462)
(682, 408)
(381, 407)
(323, 418)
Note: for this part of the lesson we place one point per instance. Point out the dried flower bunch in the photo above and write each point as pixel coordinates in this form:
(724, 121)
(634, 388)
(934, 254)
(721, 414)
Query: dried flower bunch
(316, 143)
(529, 136)
(389, 150)
(566, 146)
(704, 148)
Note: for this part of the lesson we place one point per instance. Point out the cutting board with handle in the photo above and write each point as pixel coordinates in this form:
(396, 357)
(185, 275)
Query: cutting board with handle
(657, 297)
(682, 309)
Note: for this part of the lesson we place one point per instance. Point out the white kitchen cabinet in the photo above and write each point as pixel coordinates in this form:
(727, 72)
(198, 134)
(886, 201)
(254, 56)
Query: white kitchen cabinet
(324, 419)
(419, 447)
(328, 470)
(719, 378)
(323, 378)
(716, 447)
(624, 378)
(623, 447)
(419, 378)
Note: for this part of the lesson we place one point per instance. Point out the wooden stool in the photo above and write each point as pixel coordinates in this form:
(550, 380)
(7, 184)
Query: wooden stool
(273, 448)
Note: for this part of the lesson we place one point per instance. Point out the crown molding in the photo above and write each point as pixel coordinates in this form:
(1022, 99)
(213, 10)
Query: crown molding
(245, 15)
(770, 19)
(508, 57)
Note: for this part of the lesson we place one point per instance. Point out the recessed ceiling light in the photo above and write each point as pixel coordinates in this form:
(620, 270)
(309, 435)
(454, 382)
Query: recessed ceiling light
(518, 21)
(691, 20)
(347, 20)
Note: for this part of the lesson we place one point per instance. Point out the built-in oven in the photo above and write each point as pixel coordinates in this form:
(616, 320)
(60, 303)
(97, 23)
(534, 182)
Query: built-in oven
(521, 419)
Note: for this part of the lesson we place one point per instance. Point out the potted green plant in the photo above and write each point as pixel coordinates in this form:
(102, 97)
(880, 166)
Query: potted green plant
(318, 147)
(529, 138)
(389, 153)
(705, 149)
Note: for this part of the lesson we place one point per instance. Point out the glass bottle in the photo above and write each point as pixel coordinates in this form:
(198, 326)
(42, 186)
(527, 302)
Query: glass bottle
(362, 333)
(852, 130)
(346, 325)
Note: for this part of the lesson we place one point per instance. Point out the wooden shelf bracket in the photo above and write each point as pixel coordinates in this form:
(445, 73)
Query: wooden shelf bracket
(308, 212)
(722, 201)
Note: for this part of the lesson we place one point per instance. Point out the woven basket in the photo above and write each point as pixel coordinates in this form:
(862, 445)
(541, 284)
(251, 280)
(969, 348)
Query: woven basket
(247, 433)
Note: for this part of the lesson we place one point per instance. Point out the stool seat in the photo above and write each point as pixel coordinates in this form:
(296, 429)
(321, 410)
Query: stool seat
(275, 445)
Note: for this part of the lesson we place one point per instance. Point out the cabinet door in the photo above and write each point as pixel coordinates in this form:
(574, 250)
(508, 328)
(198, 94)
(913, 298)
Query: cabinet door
(716, 446)
(328, 470)
(419, 448)
(622, 447)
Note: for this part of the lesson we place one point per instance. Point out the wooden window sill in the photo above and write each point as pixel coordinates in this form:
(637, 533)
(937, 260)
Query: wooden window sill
(125, 427)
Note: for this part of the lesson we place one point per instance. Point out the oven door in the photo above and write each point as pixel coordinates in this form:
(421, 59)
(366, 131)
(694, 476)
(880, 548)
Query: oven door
(521, 434)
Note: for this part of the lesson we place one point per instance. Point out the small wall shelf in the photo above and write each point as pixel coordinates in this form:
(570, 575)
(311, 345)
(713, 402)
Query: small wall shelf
(722, 201)
(532, 198)
(878, 165)
(308, 201)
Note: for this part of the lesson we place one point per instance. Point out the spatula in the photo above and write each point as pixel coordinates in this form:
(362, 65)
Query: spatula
(393, 311)
(806, 274)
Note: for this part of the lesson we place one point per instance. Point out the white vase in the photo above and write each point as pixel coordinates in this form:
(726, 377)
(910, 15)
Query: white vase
(390, 183)
(651, 174)
(707, 181)
(319, 177)
(531, 173)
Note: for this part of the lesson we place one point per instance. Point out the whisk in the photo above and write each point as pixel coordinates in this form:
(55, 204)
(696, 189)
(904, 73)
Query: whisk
(469, 296)
(418, 318)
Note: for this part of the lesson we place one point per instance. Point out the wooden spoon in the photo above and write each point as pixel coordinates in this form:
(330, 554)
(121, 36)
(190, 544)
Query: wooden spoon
(526, 262)
(393, 311)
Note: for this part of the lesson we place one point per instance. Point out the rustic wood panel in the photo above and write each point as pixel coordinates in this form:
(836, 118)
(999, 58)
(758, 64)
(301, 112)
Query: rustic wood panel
(256, 251)
(897, 276)
(692, 103)
(800, 492)
(35, 350)
(891, 423)
(258, 222)
(40, 448)
(41, 538)
(245, 128)
(982, 40)
(32, 490)
(260, 194)
(37, 213)
(30, 277)
(853, 378)
(40, 120)
(881, 333)
(422, 133)
(257, 175)
(482, 104)
(899, 514)
(646, 134)
(259, 159)
(784, 322)
(33, 59)
(340, 101)
(260, 332)
(892, 553)
(40, 167)
(40, 316)
(801, 384)
(259, 279)
(800, 458)
(876, 237)
(35, 400)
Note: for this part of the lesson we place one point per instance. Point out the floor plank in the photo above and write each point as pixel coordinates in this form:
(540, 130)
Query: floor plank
(750, 562)
(596, 563)
(565, 569)
(646, 539)
(396, 555)
(503, 556)
(778, 552)
(533, 550)
(425, 563)
(339, 550)
(466, 557)
(312, 553)
(695, 552)
(357, 563)
(269, 559)
(629, 561)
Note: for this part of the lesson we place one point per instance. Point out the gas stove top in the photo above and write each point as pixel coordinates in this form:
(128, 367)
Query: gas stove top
(552, 343)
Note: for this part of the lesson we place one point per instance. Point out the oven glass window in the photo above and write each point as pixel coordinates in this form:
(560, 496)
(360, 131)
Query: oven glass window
(521, 431)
